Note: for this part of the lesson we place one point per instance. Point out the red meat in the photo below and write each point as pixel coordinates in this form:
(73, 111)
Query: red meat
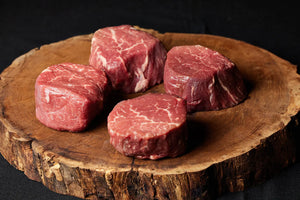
(132, 59)
(151, 126)
(206, 79)
(68, 96)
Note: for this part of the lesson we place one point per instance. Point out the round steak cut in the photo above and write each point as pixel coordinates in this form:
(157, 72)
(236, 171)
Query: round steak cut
(150, 126)
(206, 79)
(132, 59)
(68, 96)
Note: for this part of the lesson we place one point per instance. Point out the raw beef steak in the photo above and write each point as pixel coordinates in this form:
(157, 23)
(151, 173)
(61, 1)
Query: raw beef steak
(203, 77)
(68, 96)
(151, 126)
(132, 59)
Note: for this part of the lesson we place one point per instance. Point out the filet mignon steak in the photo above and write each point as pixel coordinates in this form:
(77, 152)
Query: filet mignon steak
(132, 59)
(150, 126)
(203, 77)
(68, 96)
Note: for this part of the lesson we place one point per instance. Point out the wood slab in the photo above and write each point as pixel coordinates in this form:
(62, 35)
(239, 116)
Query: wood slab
(229, 150)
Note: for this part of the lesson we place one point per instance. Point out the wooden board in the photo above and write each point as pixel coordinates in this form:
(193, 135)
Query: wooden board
(229, 149)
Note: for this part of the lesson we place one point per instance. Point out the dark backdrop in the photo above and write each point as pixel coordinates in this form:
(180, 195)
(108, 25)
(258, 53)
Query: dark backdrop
(25, 25)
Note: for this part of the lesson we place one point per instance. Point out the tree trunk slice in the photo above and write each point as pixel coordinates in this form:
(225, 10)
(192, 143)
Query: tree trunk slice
(229, 150)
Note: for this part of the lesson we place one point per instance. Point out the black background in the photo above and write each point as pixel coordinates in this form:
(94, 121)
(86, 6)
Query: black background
(273, 26)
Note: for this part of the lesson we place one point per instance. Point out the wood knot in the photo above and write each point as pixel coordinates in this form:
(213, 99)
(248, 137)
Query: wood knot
(109, 179)
(52, 168)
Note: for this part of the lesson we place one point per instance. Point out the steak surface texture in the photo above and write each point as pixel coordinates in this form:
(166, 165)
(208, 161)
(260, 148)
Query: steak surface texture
(68, 96)
(206, 79)
(132, 59)
(150, 126)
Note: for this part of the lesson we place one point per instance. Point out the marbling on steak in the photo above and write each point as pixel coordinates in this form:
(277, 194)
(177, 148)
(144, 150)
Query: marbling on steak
(203, 77)
(68, 96)
(150, 126)
(132, 59)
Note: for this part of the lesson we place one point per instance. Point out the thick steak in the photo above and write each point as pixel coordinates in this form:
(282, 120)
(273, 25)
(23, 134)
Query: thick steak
(68, 96)
(206, 79)
(132, 59)
(151, 126)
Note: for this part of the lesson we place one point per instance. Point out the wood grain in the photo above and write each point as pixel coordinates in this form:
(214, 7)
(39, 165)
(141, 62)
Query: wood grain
(229, 150)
